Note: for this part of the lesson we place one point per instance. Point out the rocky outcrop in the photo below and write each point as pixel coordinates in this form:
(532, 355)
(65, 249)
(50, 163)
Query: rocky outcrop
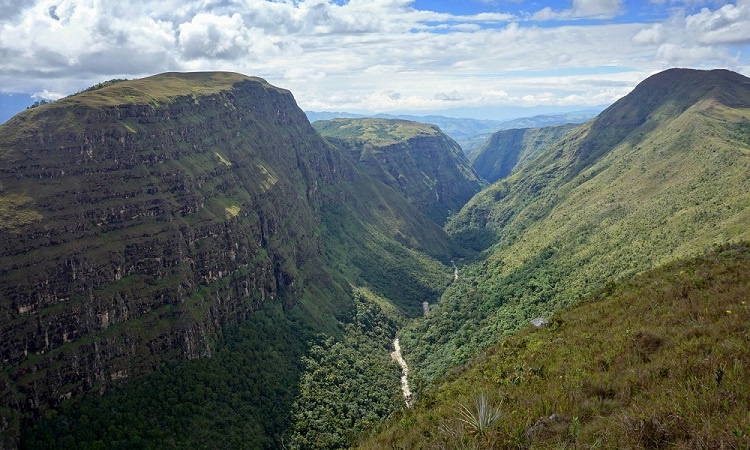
(137, 220)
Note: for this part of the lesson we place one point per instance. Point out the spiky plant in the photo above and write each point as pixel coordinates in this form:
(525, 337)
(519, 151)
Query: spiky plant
(479, 419)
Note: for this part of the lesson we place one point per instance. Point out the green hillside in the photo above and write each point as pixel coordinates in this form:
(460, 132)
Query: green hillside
(413, 158)
(506, 151)
(185, 262)
(660, 175)
(190, 238)
(661, 361)
(471, 145)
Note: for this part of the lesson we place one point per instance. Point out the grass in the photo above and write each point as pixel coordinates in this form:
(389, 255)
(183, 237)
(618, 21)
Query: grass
(661, 361)
(17, 210)
(377, 132)
(599, 206)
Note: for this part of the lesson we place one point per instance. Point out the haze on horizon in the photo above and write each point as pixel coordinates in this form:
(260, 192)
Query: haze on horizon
(469, 57)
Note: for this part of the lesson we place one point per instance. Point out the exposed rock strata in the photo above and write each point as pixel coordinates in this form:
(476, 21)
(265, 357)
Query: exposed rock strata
(132, 232)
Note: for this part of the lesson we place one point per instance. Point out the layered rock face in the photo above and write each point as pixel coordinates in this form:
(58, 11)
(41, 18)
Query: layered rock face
(416, 159)
(137, 219)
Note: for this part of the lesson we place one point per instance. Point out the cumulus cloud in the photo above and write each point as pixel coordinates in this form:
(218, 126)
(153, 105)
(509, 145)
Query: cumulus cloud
(210, 36)
(375, 55)
(600, 9)
(690, 56)
(650, 35)
(452, 96)
(728, 25)
(47, 95)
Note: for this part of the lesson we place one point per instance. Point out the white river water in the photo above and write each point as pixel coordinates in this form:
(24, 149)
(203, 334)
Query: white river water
(399, 358)
(396, 355)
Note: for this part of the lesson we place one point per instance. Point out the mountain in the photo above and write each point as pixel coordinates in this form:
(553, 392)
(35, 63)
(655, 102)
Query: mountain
(659, 361)
(185, 227)
(186, 262)
(460, 129)
(545, 120)
(314, 116)
(413, 158)
(505, 151)
(469, 133)
(472, 144)
(659, 175)
(456, 127)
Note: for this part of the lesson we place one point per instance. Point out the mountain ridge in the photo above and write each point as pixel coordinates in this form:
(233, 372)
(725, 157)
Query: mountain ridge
(414, 158)
(506, 151)
(470, 133)
(608, 201)
(135, 234)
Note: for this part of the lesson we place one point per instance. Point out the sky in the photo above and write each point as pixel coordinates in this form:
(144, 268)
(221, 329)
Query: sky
(469, 57)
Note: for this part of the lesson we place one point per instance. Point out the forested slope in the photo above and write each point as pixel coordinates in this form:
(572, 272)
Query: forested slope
(660, 175)
(661, 361)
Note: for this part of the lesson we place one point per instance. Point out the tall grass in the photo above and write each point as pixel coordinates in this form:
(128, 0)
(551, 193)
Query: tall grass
(662, 361)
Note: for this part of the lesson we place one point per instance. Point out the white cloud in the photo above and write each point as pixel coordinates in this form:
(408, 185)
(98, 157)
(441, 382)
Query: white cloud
(691, 56)
(302, 75)
(452, 96)
(375, 55)
(599, 9)
(47, 95)
(650, 35)
(210, 36)
(728, 25)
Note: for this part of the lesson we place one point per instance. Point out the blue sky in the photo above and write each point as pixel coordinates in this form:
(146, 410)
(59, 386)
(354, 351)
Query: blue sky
(468, 57)
(627, 11)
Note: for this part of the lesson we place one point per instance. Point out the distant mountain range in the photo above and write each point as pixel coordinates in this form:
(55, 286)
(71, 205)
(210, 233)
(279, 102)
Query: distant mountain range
(471, 133)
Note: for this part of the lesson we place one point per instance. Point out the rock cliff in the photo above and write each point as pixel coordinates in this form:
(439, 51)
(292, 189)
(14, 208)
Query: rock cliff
(507, 150)
(139, 218)
(416, 159)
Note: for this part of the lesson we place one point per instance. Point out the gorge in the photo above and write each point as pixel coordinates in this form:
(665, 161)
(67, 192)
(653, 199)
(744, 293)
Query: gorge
(186, 261)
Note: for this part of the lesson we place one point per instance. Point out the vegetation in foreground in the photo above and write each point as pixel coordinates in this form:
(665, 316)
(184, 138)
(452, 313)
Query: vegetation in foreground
(350, 385)
(661, 175)
(660, 361)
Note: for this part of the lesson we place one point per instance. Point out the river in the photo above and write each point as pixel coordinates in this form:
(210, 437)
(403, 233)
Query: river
(396, 355)
(399, 358)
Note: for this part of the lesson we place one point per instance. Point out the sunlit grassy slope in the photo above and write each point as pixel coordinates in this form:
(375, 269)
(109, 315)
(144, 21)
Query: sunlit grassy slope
(378, 132)
(660, 175)
(662, 361)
